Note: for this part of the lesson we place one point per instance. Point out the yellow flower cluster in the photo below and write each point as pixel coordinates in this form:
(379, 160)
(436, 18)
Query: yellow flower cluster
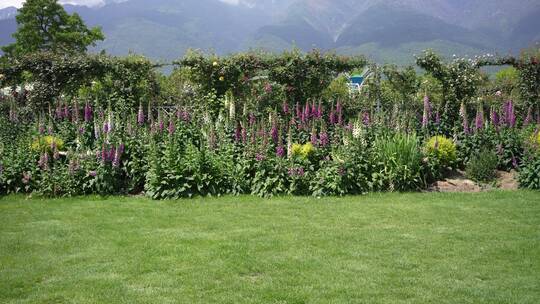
(45, 143)
(303, 151)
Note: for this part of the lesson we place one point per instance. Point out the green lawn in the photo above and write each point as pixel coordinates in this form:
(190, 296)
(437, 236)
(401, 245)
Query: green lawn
(387, 248)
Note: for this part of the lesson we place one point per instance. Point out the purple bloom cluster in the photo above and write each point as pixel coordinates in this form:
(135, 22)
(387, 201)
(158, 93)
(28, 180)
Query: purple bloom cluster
(111, 155)
(296, 172)
(87, 113)
(509, 116)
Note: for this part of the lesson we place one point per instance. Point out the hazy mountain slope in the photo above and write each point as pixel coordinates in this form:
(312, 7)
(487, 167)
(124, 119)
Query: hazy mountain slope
(164, 29)
(389, 26)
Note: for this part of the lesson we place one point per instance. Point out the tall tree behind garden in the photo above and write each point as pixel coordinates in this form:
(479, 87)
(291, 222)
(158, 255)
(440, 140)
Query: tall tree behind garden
(44, 25)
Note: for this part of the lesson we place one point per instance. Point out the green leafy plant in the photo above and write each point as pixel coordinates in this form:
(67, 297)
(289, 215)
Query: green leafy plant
(401, 161)
(443, 149)
(483, 166)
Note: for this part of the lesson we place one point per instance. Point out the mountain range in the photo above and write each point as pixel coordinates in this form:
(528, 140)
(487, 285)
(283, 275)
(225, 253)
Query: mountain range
(385, 30)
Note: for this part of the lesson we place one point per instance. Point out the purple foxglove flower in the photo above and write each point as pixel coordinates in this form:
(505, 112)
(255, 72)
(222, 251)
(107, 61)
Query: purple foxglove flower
(509, 114)
(285, 108)
(514, 162)
(66, 111)
(44, 161)
(106, 128)
(437, 118)
(529, 117)
(56, 153)
(87, 113)
(140, 115)
(495, 119)
(274, 133)
(116, 159)
(171, 127)
(298, 111)
(366, 119)
(238, 133)
(466, 128)
(161, 125)
(479, 121)
(104, 154)
(244, 135)
(73, 166)
(332, 117)
(92, 173)
(75, 110)
(280, 151)
(314, 139)
(268, 88)
(300, 172)
(307, 112)
(426, 117)
(320, 111)
(252, 119)
(81, 130)
(323, 139)
(259, 157)
(314, 112)
(512, 115)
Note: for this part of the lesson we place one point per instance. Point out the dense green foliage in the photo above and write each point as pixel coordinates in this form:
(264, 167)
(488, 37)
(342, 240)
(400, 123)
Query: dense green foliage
(44, 25)
(233, 125)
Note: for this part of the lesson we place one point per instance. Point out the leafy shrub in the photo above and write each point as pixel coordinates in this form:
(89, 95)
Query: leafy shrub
(303, 151)
(483, 166)
(529, 174)
(443, 149)
(401, 161)
(45, 144)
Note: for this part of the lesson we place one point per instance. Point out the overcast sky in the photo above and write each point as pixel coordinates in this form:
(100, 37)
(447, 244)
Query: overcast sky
(18, 3)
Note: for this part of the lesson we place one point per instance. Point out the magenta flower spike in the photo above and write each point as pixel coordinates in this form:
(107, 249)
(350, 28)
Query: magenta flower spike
(280, 151)
(320, 111)
(323, 139)
(426, 117)
(479, 121)
(495, 119)
(66, 111)
(244, 135)
(511, 114)
(171, 127)
(332, 117)
(285, 108)
(237, 133)
(87, 113)
(366, 119)
(314, 139)
(140, 115)
(529, 117)
(274, 133)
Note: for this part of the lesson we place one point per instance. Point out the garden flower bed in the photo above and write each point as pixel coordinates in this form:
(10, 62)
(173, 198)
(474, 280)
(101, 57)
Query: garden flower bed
(297, 131)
